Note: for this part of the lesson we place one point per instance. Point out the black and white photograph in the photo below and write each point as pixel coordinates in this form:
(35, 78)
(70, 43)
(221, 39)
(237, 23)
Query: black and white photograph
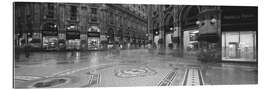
(89, 45)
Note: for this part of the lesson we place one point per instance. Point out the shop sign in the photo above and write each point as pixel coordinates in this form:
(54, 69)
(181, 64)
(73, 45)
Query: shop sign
(240, 19)
(73, 35)
(93, 29)
(49, 33)
(236, 18)
(93, 34)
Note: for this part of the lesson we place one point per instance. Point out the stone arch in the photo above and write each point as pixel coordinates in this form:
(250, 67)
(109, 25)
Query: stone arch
(181, 14)
(167, 26)
(188, 11)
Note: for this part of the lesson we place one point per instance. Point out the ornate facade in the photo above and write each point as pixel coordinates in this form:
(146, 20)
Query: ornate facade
(79, 26)
(200, 31)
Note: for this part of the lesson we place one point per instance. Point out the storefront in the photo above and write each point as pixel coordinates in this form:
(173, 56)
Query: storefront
(239, 34)
(34, 40)
(190, 32)
(126, 39)
(73, 40)
(50, 37)
(191, 46)
(208, 36)
(93, 40)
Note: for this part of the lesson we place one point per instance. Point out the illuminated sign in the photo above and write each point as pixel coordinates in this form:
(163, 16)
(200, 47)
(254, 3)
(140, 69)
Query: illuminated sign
(239, 18)
(49, 33)
(93, 34)
(73, 34)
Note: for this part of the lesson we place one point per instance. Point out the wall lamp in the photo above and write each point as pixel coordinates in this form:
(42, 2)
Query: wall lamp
(171, 28)
(213, 21)
(199, 23)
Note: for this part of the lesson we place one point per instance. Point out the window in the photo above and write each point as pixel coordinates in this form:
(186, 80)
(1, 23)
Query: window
(111, 18)
(50, 8)
(239, 46)
(84, 8)
(73, 13)
(94, 10)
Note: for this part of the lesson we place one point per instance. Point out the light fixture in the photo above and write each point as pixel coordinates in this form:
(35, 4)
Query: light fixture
(198, 22)
(171, 28)
(72, 26)
(213, 21)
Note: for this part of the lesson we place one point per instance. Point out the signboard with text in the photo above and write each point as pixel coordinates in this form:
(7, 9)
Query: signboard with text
(49, 33)
(73, 34)
(235, 18)
(93, 34)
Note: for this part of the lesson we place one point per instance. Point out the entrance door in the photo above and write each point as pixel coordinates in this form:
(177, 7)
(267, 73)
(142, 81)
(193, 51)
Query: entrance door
(233, 49)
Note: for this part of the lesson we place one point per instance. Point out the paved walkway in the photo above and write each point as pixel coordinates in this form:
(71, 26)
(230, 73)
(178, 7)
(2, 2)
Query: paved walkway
(123, 68)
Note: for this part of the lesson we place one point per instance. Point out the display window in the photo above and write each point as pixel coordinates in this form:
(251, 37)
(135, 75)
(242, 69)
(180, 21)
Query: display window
(191, 46)
(94, 37)
(239, 46)
(73, 39)
(93, 43)
(73, 44)
(50, 42)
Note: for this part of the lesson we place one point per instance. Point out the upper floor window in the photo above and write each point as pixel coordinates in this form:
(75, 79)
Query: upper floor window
(94, 10)
(166, 6)
(50, 8)
(73, 12)
(84, 8)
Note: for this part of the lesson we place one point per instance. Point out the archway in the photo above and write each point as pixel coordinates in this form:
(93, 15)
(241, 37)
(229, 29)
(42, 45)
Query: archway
(189, 30)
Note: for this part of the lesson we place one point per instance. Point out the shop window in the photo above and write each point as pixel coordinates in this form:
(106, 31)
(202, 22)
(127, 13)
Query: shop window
(191, 44)
(240, 46)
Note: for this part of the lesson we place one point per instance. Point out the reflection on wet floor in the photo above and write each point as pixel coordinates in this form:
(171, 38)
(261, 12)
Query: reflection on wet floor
(107, 63)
